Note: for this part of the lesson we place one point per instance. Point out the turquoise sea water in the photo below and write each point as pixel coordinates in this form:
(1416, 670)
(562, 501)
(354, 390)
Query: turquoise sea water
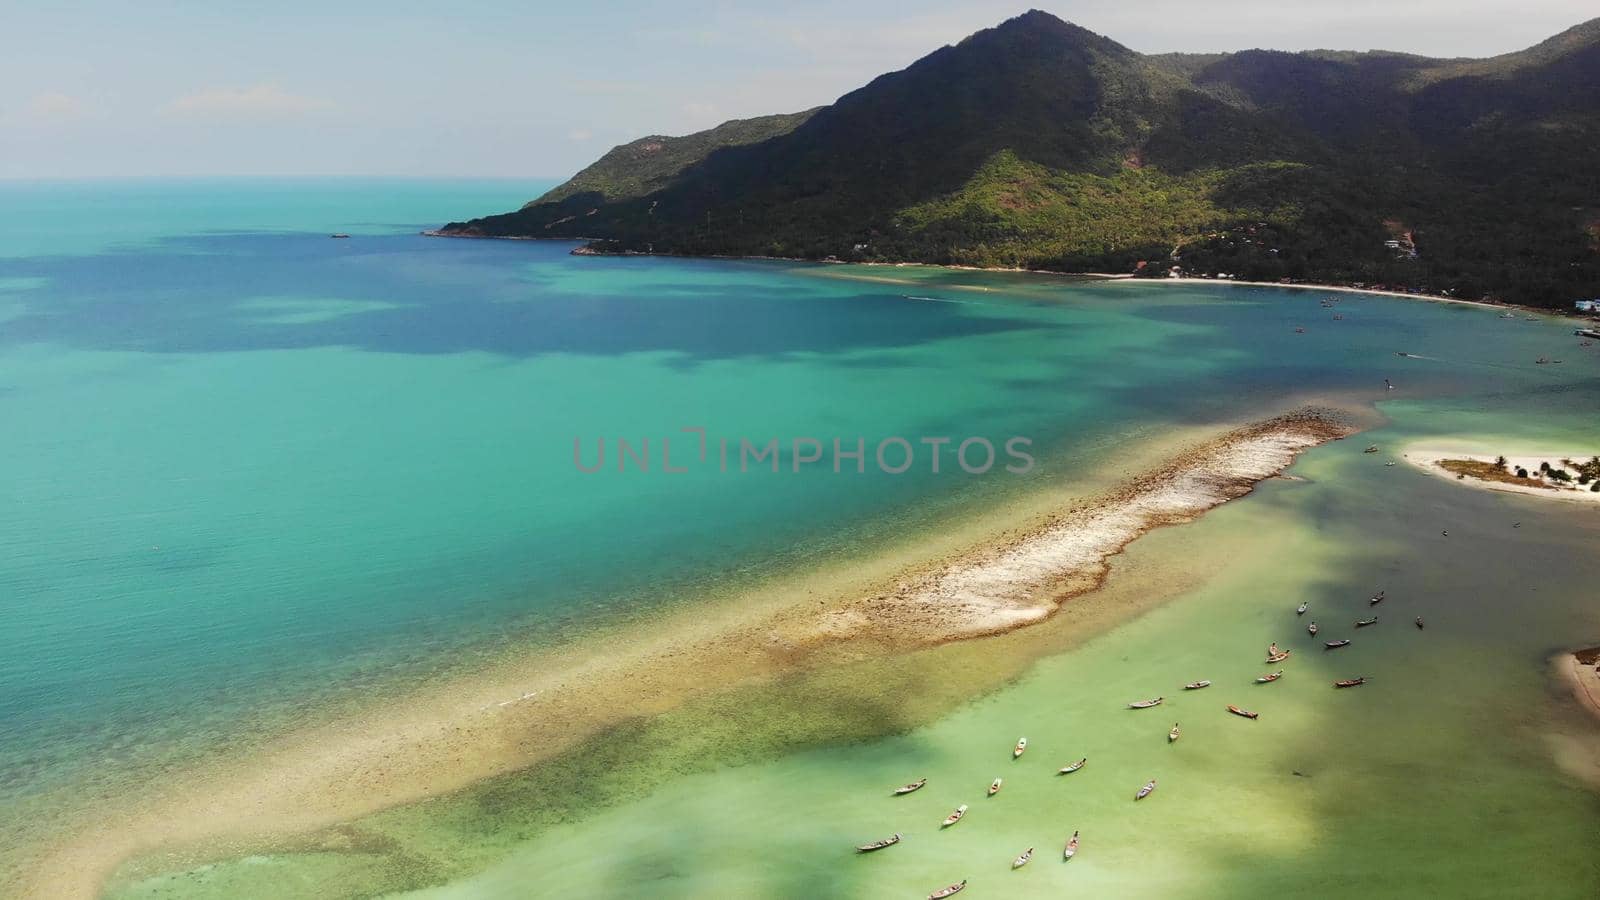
(249, 469)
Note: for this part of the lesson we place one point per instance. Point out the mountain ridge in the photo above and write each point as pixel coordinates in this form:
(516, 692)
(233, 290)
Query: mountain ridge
(1040, 144)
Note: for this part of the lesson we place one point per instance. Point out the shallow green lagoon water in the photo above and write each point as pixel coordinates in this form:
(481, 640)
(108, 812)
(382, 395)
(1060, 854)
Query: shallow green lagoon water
(254, 474)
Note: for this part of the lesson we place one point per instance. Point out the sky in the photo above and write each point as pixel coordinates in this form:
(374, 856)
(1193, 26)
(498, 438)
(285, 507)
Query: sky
(541, 88)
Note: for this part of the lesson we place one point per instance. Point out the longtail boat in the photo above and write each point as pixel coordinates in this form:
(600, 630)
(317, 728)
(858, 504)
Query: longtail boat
(1376, 598)
(1068, 770)
(1312, 629)
(955, 816)
(1197, 685)
(950, 891)
(1419, 622)
(1022, 744)
(1278, 657)
(1301, 609)
(1146, 704)
(1022, 860)
(1268, 678)
(1145, 791)
(908, 788)
(1072, 847)
(994, 787)
(1350, 682)
(1362, 623)
(879, 845)
(1173, 734)
(1243, 712)
(1334, 645)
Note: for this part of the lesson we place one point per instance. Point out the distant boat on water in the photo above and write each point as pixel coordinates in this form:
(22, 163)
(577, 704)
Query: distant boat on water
(1269, 678)
(1376, 598)
(1243, 712)
(1071, 848)
(1197, 685)
(1146, 704)
(1334, 645)
(913, 786)
(1301, 609)
(1022, 744)
(879, 845)
(1022, 860)
(1173, 734)
(994, 787)
(955, 816)
(339, 235)
(1145, 791)
(1350, 682)
(1362, 623)
(1068, 770)
(950, 891)
(1312, 629)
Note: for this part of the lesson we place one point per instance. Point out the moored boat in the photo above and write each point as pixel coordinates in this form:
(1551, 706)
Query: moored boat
(1173, 734)
(1197, 685)
(1022, 860)
(1269, 677)
(908, 788)
(1301, 609)
(1022, 744)
(1278, 657)
(1071, 848)
(955, 816)
(1376, 598)
(1362, 623)
(1334, 645)
(1312, 629)
(1145, 791)
(950, 891)
(1419, 621)
(1243, 712)
(1068, 770)
(879, 845)
(1146, 704)
(994, 787)
(1350, 682)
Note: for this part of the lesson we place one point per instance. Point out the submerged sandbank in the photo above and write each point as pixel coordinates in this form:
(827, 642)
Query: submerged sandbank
(1435, 460)
(451, 736)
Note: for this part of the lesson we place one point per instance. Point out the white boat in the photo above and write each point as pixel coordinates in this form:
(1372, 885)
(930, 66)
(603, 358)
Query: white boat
(950, 891)
(1146, 790)
(1269, 677)
(1146, 704)
(955, 816)
(908, 788)
(1278, 657)
(1301, 609)
(1022, 860)
(1068, 770)
(994, 787)
(1312, 629)
(1173, 734)
(1072, 847)
(1197, 685)
(1022, 744)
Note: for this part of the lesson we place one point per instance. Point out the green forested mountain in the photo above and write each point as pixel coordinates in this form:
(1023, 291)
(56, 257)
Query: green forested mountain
(1042, 145)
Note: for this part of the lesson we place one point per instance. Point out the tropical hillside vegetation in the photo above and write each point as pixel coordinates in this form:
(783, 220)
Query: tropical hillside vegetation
(1039, 144)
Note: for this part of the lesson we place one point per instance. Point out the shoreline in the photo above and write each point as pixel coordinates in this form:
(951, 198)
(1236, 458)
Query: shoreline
(452, 737)
(1428, 459)
(1094, 276)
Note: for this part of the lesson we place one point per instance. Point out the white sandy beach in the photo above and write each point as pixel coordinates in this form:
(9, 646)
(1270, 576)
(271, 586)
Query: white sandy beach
(1427, 459)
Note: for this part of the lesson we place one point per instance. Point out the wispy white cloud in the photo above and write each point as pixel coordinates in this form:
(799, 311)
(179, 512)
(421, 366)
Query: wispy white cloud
(579, 134)
(54, 106)
(262, 101)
